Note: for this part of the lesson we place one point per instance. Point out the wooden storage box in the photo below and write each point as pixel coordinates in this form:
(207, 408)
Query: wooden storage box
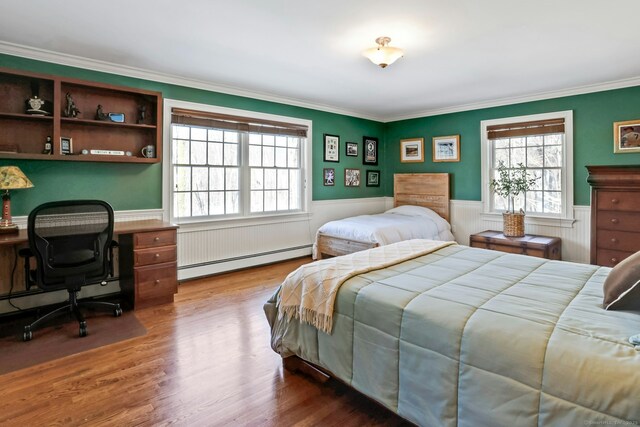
(537, 246)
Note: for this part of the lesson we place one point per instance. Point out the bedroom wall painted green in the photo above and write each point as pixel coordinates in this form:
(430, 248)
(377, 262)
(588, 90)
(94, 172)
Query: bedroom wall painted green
(593, 117)
(138, 186)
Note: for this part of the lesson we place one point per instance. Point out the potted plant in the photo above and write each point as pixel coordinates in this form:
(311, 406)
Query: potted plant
(509, 184)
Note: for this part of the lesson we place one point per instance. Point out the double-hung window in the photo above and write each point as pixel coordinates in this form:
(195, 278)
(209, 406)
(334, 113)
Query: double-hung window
(233, 166)
(541, 143)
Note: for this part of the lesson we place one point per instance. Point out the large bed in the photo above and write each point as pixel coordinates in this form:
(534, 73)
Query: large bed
(471, 337)
(421, 211)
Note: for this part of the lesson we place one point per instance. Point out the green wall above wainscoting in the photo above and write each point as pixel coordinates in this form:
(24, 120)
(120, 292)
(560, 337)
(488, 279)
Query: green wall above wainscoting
(139, 186)
(593, 117)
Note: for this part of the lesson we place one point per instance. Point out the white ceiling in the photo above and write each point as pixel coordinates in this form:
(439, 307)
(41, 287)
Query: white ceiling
(457, 52)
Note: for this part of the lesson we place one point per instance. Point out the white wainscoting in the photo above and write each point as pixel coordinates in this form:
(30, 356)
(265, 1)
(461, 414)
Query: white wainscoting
(466, 219)
(205, 250)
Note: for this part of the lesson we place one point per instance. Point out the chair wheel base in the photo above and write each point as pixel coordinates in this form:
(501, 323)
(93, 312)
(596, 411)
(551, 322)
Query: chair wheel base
(27, 335)
(83, 329)
(117, 312)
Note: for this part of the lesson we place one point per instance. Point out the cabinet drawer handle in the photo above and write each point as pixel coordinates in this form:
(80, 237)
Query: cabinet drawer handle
(157, 282)
(614, 260)
(614, 220)
(614, 201)
(157, 255)
(156, 239)
(614, 240)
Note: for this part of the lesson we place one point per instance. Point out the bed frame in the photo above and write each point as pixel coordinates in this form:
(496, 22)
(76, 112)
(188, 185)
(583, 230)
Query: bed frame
(430, 190)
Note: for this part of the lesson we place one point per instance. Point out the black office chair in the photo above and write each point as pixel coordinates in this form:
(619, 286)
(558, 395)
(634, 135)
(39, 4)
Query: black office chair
(73, 246)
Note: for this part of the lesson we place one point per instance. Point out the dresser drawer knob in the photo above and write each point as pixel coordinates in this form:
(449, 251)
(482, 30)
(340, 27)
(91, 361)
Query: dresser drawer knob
(157, 282)
(614, 201)
(157, 255)
(614, 220)
(614, 240)
(614, 260)
(156, 239)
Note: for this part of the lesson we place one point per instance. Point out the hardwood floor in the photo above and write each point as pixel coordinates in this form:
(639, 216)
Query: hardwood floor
(205, 361)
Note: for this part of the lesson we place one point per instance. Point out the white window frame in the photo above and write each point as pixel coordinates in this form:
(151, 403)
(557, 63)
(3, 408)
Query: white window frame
(195, 223)
(566, 217)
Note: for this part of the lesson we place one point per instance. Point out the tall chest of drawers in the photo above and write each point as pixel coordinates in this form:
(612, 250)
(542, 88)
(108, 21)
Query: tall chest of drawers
(615, 213)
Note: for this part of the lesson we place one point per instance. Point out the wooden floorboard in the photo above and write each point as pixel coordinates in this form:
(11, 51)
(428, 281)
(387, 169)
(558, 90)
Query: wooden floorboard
(205, 361)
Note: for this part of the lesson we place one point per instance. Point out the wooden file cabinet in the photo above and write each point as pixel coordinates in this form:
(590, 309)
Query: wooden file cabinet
(615, 213)
(538, 246)
(148, 267)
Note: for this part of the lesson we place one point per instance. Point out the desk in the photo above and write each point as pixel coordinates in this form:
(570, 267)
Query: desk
(147, 261)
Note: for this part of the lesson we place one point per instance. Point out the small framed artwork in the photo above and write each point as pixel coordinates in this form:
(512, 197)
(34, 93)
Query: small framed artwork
(412, 150)
(373, 178)
(626, 137)
(66, 145)
(352, 177)
(352, 149)
(446, 148)
(329, 175)
(331, 148)
(370, 147)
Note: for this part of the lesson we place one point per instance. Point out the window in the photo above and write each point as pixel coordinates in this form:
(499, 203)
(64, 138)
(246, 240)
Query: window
(232, 166)
(543, 145)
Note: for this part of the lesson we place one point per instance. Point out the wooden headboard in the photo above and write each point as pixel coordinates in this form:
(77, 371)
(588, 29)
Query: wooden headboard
(430, 190)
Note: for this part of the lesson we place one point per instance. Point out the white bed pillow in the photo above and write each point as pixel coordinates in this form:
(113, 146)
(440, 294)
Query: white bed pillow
(410, 210)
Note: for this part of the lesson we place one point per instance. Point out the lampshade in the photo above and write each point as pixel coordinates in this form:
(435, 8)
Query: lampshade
(12, 178)
(384, 54)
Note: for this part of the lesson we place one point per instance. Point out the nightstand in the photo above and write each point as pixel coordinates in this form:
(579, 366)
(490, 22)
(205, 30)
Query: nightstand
(538, 246)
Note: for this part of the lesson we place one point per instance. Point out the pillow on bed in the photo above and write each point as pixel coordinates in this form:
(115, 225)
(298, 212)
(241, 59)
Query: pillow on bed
(410, 210)
(622, 286)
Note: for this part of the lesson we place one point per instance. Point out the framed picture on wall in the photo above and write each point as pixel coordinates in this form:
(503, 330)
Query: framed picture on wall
(352, 177)
(626, 137)
(373, 178)
(446, 148)
(329, 176)
(66, 145)
(412, 150)
(370, 147)
(352, 149)
(331, 148)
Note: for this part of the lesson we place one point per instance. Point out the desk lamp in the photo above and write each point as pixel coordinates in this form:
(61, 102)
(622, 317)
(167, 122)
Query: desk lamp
(11, 178)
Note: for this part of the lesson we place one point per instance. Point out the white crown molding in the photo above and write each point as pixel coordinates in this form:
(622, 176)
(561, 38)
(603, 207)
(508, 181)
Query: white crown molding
(579, 90)
(140, 73)
(123, 70)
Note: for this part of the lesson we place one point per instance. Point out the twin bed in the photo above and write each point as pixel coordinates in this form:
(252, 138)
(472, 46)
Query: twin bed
(462, 336)
(421, 211)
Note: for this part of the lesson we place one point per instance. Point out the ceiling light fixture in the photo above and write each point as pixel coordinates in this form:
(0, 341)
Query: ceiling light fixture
(384, 54)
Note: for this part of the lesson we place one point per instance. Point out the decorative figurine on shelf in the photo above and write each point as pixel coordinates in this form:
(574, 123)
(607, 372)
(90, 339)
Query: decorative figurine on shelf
(36, 105)
(101, 115)
(142, 114)
(70, 110)
(48, 147)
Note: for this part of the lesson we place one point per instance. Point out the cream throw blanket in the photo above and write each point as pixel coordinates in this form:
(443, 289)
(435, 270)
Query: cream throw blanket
(308, 293)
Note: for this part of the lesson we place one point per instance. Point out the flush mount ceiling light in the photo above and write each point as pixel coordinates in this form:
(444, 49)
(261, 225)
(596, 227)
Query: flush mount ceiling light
(384, 54)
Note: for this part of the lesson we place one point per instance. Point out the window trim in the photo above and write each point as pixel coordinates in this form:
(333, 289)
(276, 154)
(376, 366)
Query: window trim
(566, 218)
(256, 218)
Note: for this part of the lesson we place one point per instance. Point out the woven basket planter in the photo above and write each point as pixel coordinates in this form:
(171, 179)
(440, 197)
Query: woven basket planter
(513, 224)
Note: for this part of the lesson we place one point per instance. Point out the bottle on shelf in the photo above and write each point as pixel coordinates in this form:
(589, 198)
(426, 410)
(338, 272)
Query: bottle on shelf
(48, 147)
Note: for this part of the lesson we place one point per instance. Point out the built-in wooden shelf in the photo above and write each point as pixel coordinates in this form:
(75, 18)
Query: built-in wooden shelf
(28, 133)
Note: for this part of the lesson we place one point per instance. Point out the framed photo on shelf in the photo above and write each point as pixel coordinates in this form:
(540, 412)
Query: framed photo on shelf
(373, 178)
(370, 147)
(331, 148)
(446, 148)
(352, 149)
(626, 136)
(66, 145)
(412, 150)
(352, 177)
(329, 176)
